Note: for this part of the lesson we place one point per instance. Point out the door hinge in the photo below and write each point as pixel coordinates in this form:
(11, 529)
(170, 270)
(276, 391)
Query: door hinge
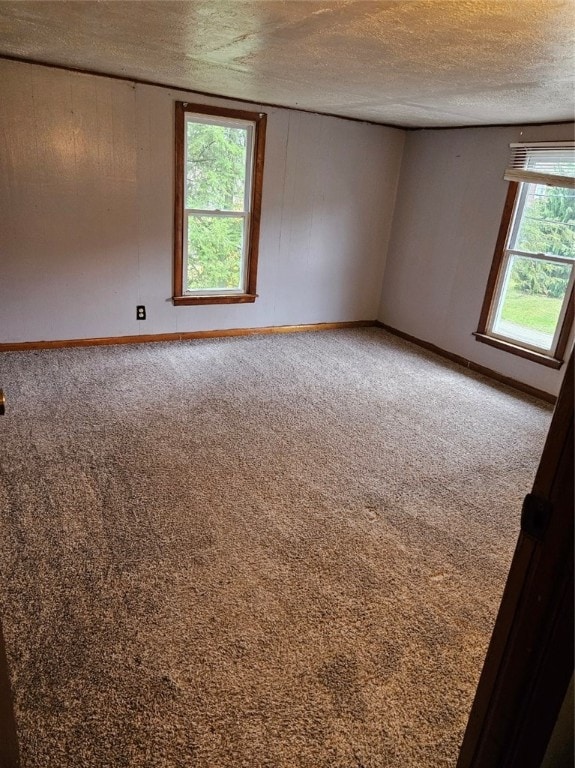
(535, 515)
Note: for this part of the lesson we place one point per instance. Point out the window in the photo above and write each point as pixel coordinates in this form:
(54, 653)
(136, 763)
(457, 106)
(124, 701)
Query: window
(528, 307)
(219, 169)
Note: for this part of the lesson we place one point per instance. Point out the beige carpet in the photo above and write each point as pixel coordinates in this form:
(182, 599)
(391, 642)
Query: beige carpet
(280, 551)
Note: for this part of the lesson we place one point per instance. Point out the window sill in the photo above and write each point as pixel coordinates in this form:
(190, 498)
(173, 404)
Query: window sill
(514, 349)
(241, 298)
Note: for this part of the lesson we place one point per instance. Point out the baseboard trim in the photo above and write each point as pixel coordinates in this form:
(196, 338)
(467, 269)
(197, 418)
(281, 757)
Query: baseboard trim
(470, 365)
(23, 346)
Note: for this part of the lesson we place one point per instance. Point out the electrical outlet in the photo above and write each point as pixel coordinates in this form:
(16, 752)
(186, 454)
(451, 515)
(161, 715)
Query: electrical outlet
(140, 312)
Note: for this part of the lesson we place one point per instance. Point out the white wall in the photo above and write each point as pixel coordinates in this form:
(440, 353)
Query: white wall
(86, 196)
(447, 216)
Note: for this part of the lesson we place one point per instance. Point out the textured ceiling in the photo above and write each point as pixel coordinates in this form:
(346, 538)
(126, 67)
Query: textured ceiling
(412, 63)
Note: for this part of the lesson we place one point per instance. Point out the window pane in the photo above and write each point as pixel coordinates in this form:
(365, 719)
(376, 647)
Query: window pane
(215, 248)
(215, 166)
(548, 221)
(531, 301)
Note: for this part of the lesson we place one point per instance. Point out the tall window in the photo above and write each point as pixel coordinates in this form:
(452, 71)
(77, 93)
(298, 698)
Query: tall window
(219, 169)
(528, 306)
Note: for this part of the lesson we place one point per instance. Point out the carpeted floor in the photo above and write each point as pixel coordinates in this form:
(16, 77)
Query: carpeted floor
(280, 551)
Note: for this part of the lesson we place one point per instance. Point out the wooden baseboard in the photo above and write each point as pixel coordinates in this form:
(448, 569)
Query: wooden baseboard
(470, 365)
(22, 346)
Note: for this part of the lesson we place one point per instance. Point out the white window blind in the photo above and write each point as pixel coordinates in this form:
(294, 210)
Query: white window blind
(550, 163)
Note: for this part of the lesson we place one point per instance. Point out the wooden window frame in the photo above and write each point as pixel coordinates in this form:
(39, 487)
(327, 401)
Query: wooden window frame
(482, 335)
(259, 122)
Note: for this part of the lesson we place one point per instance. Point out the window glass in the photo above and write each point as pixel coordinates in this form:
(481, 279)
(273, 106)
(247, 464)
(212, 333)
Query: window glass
(531, 301)
(214, 251)
(215, 166)
(537, 272)
(547, 223)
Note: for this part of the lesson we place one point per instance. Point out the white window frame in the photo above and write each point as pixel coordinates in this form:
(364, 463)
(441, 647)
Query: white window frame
(248, 125)
(504, 276)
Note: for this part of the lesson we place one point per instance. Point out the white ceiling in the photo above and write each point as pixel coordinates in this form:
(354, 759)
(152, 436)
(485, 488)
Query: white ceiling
(413, 63)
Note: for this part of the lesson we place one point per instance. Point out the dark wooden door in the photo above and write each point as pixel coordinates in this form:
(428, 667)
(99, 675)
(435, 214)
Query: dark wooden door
(529, 662)
(8, 742)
